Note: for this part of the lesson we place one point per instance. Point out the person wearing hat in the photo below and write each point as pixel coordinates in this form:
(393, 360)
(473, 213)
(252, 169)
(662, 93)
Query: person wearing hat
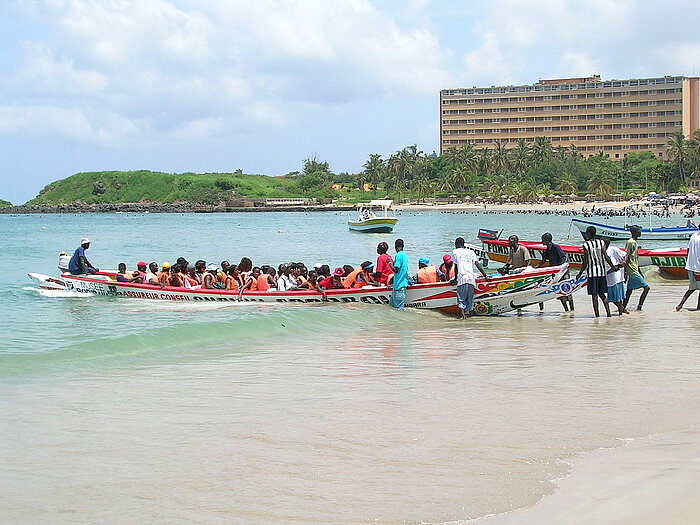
(209, 276)
(356, 276)
(164, 273)
(63, 261)
(334, 281)
(78, 264)
(448, 268)
(427, 273)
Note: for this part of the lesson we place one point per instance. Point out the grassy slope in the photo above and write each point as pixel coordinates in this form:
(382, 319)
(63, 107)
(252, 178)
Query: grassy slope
(4, 204)
(148, 186)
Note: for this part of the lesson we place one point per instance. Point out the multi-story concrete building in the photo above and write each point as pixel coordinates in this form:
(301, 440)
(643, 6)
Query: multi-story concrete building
(612, 116)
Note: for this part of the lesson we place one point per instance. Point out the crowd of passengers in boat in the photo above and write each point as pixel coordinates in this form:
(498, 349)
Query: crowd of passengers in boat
(293, 276)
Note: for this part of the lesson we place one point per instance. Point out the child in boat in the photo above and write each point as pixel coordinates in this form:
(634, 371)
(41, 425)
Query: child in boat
(251, 283)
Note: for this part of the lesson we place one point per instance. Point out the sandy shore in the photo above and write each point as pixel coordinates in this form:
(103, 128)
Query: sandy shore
(650, 481)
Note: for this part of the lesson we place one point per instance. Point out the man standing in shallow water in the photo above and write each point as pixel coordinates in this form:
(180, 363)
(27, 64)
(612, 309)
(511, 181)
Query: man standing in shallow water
(692, 265)
(634, 276)
(594, 259)
(398, 295)
(464, 259)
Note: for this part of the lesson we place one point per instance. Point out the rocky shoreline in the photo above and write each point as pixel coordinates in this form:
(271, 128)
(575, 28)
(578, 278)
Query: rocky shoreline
(158, 207)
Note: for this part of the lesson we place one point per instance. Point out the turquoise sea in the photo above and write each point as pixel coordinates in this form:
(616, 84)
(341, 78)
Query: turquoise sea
(128, 411)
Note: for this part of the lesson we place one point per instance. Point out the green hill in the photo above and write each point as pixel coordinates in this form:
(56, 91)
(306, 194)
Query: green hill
(5, 204)
(150, 186)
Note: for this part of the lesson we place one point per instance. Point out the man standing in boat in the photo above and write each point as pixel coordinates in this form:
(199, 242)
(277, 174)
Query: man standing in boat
(398, 295)
(79, 264)
(635, 279)
(594, 259)
(518, 255)
(465, 260)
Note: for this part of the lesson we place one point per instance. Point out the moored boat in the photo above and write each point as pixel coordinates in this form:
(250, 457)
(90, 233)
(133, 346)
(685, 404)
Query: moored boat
(671, 262)
(368, 221)
(492, 297)
(676, 233)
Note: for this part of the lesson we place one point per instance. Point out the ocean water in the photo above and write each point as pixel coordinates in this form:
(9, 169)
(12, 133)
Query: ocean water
(128, 411)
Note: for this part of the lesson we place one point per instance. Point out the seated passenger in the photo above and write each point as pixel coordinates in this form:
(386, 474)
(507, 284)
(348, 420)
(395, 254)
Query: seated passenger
(351, 277)
(233, 278)
(251, 283)
(245, 267)
(266, 281)
(122, 275)
(448, 268)
(334, 282)
(152, 276)
(164, 274)
(200, 268)
(223, 273)
(209, 277)
(313, 284)
(365, 277)
(288, 280)
(174, 279)
(427, 273)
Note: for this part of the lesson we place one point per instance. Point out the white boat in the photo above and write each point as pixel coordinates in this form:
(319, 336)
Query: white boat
(492, 297)
(678, 233)
(369, 222)
(620, 233)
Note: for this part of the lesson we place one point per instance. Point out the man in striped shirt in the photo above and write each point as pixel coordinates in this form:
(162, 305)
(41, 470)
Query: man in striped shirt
(594, 259)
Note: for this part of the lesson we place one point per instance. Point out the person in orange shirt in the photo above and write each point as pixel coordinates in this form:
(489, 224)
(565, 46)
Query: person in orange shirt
(351, 280)
(427, 273)
(448, 269)
(266, 280)
(251, 283)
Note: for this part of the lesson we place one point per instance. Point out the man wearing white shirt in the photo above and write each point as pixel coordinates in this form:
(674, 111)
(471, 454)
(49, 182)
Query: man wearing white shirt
(465, 259)
(693, 266)
(615, 278)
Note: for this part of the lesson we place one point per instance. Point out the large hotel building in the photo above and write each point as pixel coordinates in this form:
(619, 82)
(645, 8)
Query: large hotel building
(612, 116)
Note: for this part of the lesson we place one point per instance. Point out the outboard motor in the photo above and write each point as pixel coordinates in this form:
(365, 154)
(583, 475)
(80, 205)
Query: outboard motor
(63, 261)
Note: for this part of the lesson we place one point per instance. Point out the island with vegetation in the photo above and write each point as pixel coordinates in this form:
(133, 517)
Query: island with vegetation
(4, 204)
(528, 172)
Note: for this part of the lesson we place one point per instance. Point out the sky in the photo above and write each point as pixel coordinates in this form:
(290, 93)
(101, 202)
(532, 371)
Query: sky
(260, 85)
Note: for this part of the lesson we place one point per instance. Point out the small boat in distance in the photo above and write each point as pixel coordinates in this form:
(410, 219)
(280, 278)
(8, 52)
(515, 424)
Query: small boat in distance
(369, 222)
(622, 233)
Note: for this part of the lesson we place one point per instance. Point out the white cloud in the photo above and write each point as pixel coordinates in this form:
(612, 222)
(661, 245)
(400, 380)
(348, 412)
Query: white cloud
(94, 126)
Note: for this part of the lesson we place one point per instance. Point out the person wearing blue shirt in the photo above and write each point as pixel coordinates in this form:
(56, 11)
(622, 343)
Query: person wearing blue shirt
(78, 263)
(398, 295)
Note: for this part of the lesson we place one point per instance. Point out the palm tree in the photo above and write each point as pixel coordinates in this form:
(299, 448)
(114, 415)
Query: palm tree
(694, 150)
(483, 161)
(521, 157)
(568, 185)
(374, 168)
(460, 178)
(500, 157)
(541, 150)
(677, 148)
(422, 186)
(599, 184)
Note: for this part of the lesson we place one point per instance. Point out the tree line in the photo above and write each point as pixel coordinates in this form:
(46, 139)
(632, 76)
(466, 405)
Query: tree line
(530, 171)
